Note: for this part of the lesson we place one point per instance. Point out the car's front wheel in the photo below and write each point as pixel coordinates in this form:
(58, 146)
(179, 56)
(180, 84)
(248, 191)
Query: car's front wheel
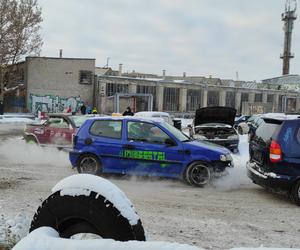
(198, 174)
(295, 193)
(89, 164)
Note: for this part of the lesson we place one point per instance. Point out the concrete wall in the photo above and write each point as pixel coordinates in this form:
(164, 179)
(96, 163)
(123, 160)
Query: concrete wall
(56, 82)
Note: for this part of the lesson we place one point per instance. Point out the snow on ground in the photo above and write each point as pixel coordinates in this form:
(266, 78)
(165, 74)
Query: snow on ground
(237, 177)
(17, 118)
(48, 238)
(232, 212)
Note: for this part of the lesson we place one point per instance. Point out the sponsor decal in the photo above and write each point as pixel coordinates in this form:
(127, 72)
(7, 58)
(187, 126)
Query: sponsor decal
(144, 155)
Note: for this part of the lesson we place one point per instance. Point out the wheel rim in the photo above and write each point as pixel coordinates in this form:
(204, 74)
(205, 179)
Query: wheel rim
(200, 174)
(88, 165)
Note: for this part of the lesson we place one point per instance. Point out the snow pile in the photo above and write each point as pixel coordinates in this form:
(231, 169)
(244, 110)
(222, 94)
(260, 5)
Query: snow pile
(18, 118)
(83, 184)
(237, 176)
(13, 230)
(48, 238)
(20, 152)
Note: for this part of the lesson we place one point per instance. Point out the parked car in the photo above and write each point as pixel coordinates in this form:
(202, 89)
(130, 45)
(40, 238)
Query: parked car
(164, 115)
(56, 130)
(275, 155)
(250, 125)
(240, 119)
(132, 145)
(215, 124)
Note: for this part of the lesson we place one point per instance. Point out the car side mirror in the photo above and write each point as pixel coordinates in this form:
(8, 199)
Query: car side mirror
(169, 142)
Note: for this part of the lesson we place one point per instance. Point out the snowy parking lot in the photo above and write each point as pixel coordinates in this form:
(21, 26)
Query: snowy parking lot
(231, 212)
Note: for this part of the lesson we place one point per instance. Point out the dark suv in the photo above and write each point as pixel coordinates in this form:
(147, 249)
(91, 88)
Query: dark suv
(275, 155)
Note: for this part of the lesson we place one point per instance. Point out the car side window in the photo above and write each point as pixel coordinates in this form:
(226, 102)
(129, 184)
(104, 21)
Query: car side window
(57, 122)
(107, 128)
(147, 132)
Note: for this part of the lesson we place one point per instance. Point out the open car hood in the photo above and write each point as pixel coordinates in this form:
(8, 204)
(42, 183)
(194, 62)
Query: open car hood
(224, 115)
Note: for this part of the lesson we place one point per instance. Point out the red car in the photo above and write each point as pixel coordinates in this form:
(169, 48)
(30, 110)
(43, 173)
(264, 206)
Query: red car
(57, 130)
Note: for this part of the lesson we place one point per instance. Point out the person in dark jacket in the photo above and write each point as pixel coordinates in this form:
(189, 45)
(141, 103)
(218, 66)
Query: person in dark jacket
(128, 112)
(83, 109)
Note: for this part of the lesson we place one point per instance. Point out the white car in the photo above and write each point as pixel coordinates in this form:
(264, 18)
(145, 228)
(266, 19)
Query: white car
(155, 114)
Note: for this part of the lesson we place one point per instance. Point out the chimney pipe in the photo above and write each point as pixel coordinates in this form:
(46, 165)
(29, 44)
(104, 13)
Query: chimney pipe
(120, 69)
(164, 73)
(60, 53)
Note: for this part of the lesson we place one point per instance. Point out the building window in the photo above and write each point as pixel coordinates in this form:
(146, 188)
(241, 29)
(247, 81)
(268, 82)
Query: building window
(212, 98)
(244, 97)
(230, 99)
(113, 88)
(258, 98)
(85, 77)
(270, 98)
(171, 99)
(193, 99)
(142, 89)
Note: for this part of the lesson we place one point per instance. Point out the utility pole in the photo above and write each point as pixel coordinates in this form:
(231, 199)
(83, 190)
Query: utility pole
(288, 17)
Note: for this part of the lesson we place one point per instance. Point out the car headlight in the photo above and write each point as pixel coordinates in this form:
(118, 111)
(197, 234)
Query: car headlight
(233, 137)
(227, 157)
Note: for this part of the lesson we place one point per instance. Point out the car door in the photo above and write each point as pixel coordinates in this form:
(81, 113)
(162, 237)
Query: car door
(150, 150)
(58, 132)
(106, 136)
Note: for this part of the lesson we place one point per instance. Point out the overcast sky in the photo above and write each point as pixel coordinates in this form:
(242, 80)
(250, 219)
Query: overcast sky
(199, 37)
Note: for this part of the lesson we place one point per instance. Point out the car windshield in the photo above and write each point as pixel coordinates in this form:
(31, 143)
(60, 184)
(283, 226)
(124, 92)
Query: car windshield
(78, 120)
(177, 133)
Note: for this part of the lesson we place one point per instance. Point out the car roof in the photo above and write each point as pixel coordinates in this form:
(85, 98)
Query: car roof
(280, 116)
(151, 113)
(130, 118)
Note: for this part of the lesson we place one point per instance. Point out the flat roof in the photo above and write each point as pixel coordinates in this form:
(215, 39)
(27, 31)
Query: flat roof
(62, 58)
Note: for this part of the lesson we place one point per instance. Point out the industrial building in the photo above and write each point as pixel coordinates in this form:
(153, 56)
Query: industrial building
(52, 84)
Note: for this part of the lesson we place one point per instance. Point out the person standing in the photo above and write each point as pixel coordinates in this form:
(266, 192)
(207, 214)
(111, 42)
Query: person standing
(88, 110)
(94, 111)
(128, 112)
(69, 110)
(83, 109)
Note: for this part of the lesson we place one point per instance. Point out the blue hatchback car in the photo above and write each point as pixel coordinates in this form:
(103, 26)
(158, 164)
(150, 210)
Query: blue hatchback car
(129, 145)
(275, 154)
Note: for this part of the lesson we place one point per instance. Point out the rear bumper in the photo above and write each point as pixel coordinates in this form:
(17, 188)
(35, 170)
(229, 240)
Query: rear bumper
(278, 183)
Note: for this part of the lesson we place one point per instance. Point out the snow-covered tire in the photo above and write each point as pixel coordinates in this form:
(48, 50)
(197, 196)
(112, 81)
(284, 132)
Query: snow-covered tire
(295, 193)
(89, 164)
(89, 212)
(198, 174)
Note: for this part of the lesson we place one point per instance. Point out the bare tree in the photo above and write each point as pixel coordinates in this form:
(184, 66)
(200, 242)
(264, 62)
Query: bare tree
(19, 33)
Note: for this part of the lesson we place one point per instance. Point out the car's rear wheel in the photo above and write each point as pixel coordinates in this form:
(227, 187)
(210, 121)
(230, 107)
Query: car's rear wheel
(295, 193)
(198, 174)
(89, 164)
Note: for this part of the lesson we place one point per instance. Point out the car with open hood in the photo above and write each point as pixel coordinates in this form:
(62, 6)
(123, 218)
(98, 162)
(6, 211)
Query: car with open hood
(215, 124)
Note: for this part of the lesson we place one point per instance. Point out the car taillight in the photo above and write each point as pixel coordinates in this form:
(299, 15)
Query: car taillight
(275, 152)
